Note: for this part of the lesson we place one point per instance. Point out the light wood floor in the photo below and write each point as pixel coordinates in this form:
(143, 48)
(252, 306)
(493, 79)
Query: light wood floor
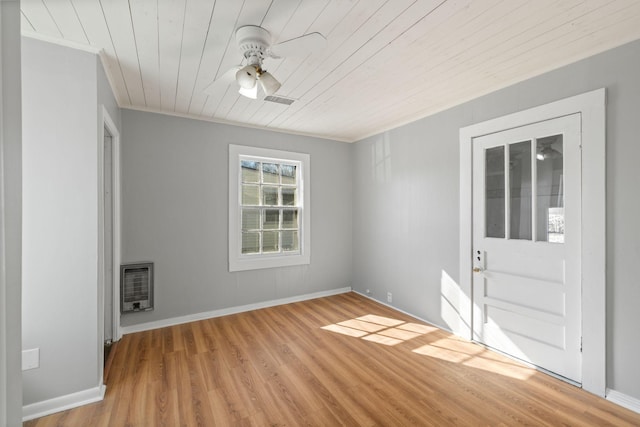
(340, 360)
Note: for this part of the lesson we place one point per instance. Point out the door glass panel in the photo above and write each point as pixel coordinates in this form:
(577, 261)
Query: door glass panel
(550, 190)
(494, 192)
(520, 190)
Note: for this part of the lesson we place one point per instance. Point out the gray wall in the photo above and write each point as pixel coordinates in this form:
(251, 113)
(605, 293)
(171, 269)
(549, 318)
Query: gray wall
(175, 213)
(60, 218)
(405, 235)
(10, 216)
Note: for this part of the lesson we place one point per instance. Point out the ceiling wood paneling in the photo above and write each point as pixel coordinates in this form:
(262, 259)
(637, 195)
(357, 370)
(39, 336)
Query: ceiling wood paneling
(387, 62)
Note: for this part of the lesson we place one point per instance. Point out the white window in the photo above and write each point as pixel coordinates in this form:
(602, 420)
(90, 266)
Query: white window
(268, 208)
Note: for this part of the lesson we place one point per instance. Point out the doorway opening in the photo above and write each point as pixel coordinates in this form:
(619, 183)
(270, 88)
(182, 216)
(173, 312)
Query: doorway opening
(109, 247)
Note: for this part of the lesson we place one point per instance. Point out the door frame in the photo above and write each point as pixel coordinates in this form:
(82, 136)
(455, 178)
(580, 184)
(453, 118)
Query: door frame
(592, 109)
(107, 122)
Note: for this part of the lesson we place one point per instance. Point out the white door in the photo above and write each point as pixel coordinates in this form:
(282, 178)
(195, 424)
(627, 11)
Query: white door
(526, 244)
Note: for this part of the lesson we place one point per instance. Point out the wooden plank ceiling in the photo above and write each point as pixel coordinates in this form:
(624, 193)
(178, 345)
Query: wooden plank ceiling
(387, 62)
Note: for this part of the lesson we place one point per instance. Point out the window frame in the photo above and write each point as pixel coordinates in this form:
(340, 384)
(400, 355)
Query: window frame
(243, 262)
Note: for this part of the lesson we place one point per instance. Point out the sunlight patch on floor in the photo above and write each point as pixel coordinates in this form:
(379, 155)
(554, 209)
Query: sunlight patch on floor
(379, 329)
(381, 339)
(448, 350)
(474, 356)
(362, 326)
(391, 332)
(381, 320)
(344, 330)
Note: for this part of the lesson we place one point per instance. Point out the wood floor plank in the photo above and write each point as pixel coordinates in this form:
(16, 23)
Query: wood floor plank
(339, 360)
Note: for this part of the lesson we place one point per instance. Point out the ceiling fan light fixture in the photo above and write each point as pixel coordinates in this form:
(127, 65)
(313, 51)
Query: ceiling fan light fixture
(246, 77)
(269, 83)
(255, 44)
(250, 92)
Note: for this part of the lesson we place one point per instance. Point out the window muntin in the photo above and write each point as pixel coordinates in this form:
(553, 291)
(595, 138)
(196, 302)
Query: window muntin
(268, 208)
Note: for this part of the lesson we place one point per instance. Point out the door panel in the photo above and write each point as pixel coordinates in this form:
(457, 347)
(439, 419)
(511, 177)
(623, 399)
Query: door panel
(526, 227)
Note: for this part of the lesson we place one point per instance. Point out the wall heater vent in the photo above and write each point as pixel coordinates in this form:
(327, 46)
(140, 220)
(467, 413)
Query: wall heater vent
(136, 287)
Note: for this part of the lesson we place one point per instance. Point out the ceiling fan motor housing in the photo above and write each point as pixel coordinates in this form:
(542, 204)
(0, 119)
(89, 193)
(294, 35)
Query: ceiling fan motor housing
(253, 41)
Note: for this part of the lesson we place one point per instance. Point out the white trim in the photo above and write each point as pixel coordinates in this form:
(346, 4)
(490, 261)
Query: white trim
(105, 121)
(117, 219)
(237, 262)
(442, 328)
(591, 106)
(623, 400)
(227, 311)
(62, 403)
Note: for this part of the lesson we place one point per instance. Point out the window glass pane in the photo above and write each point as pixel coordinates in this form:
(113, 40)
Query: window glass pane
(270, 174)
(250, 219)
(520, 190)
(250, 171)
(289, 241)
(270, 241)
(290, 219)
(271, 219)
(270, 196)
(550, 190)
(268, 212)
(250, 194)
(250, 243)
(288, 174)
(494, 192)
(289, 196)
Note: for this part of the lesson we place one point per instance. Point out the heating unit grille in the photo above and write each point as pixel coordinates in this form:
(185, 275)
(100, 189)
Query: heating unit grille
(136, 287)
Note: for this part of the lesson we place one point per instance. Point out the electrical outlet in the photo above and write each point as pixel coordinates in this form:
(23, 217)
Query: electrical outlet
(30, 359)
(389, 297)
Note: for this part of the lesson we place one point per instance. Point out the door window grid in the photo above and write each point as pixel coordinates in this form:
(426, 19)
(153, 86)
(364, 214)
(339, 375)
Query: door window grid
(270, 208)
(514, 205)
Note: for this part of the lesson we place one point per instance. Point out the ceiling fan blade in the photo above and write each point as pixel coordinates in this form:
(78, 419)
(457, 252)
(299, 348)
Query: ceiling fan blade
(222, 81)
(300, 46)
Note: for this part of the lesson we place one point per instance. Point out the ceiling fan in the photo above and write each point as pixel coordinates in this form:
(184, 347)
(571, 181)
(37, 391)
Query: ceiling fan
(255, 44)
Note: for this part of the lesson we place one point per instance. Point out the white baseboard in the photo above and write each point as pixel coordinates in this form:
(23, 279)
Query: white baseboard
(226, 311)
(62, 403)
(624, 400)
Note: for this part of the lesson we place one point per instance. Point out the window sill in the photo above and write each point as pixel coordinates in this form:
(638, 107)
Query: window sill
(261, 262)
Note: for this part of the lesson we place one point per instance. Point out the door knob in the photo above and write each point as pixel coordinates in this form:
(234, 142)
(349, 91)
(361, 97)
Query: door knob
(477, 270)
